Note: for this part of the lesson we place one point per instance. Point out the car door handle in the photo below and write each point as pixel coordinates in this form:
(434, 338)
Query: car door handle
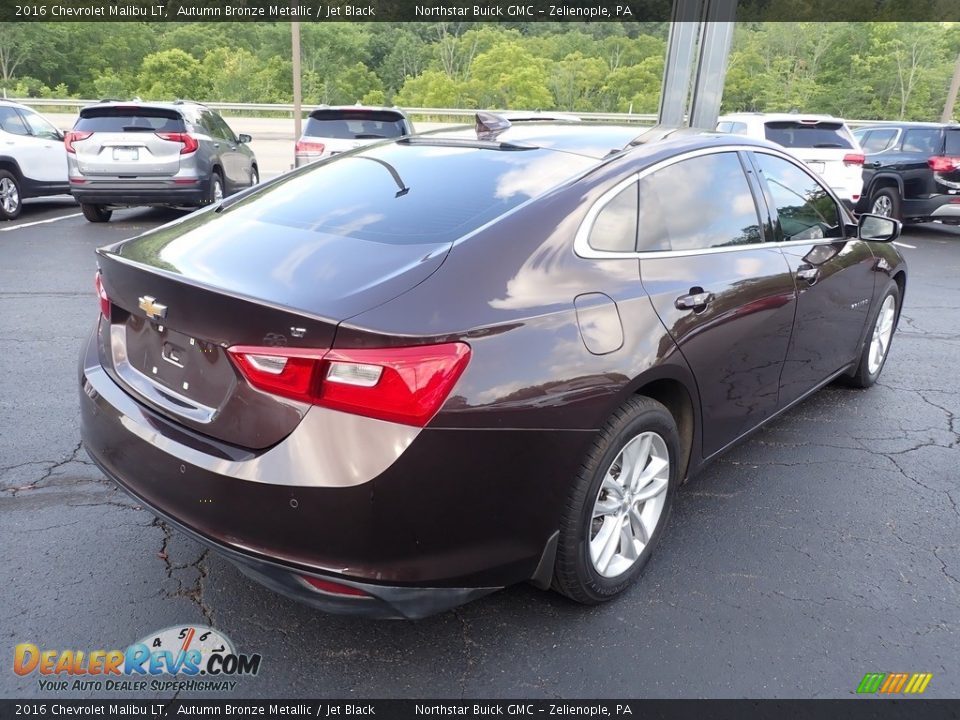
(808, 273)
(694, 301)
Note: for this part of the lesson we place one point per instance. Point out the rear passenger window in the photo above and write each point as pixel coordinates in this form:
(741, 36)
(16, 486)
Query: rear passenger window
(878, 140)
(704, 202)
(615, 227)
(805, 209)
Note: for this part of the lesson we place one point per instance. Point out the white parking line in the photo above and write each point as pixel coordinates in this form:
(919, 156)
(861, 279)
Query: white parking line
(900, 244)
(39, 222)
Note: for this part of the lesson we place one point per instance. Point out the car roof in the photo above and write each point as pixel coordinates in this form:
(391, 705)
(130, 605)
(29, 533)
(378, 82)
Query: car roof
(175, 105)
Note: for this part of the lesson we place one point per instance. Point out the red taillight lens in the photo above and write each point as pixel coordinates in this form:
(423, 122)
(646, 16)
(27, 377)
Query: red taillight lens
(853, 159)
(404, 385)
(102, 294)
(334, 588)
(74, 136)
(188, 143)
(943, 163)
(309, 148)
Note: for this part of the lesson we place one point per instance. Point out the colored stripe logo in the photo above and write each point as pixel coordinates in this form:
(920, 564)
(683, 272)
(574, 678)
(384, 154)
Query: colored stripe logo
(894, 683)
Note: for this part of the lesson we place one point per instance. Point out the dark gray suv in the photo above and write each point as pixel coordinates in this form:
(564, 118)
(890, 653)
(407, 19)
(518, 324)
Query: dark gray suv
(168, 154)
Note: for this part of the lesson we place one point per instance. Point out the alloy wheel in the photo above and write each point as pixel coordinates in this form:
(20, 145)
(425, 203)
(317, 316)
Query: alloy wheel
(217, 191)
(629, 504)
(882, 205)
(9, 196)
(882, 332)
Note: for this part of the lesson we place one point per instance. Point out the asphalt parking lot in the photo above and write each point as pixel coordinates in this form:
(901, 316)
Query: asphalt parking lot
(825, 547)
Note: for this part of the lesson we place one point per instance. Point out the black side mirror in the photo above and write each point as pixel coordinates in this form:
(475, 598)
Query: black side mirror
(244, 138)
(878, 228)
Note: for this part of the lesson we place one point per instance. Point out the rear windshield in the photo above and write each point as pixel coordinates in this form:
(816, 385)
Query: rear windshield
(795, 134)
(117, 119)
(355, 124)
(953, 142)
(390, 194)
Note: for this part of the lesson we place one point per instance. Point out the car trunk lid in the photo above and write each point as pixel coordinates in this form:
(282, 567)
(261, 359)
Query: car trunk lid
(130, 141)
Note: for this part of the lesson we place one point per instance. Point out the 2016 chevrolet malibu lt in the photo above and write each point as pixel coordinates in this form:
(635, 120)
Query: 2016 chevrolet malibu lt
(402, 378)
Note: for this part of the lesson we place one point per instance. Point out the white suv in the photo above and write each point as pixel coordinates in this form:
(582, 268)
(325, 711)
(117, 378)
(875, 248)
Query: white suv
(823, 142)
(33, 161)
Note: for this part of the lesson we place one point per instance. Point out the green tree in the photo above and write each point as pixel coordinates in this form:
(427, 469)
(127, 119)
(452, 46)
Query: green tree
(509, 76)
(170, 74)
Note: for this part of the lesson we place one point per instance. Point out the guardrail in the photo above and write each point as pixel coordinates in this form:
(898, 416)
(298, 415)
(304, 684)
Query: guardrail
(648, 118)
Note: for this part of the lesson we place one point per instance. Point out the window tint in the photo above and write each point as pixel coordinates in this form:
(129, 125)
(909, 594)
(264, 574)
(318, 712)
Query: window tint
(40, 126)
(223, 130)
(805, 209)
(615, 228)
(390, 193)
(355, 124)
(698, 203)
(126, 119)
(797, 134)
(878, 140)
(953, 142)
(11, 122)
(925, 140)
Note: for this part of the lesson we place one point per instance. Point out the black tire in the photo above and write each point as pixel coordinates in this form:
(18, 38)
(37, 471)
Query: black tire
(96, 213)
(216, 180)
(862, 376)
(887, 195)
(574, 573)
(11, 196)
(254, 176)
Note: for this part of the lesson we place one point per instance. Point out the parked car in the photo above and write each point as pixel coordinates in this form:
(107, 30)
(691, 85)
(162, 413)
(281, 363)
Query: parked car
(168, 154)
(460, 360)
(32, 162)
(332, 130)
(912, 171)
(823, 142)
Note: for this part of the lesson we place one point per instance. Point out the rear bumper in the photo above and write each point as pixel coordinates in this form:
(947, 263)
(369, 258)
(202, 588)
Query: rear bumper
(140, 193)
(934, 207)
(456, 516)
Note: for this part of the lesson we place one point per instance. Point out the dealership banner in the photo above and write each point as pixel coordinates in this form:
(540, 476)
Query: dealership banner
(414, 709)
(468, 10)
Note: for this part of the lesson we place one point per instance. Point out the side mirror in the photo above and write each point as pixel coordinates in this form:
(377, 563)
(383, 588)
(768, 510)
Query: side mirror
(878, 228)
(243, 138)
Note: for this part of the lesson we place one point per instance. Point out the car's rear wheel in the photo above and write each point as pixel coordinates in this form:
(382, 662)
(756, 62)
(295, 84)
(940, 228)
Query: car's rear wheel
(11, 201)
(619, 503)
(96, 213)
(877, 345)
(886, 202)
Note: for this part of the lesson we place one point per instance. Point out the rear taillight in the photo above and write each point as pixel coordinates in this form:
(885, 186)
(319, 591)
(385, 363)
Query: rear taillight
(404, 385)
(943, 163)
(102, 295)
(334, 588)
(851, 159)
(309, 148)
(74, 136)
(188, 143)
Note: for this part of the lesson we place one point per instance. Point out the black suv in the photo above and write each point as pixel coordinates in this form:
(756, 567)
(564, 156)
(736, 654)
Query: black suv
(912, 171)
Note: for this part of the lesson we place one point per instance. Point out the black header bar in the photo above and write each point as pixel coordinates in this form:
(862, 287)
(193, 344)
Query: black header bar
(503, 11)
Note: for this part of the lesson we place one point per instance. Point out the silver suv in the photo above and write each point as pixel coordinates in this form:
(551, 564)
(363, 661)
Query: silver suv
(171, 154)
(332, 130)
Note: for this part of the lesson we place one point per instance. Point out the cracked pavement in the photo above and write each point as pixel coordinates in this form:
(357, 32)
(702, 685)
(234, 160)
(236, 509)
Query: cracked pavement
(825, 547)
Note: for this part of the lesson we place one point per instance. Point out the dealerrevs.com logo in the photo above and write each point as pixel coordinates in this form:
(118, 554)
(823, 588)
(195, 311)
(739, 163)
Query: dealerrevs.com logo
(186, 657)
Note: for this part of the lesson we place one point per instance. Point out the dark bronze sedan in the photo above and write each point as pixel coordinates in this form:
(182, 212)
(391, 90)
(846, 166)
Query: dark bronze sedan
(397, 380)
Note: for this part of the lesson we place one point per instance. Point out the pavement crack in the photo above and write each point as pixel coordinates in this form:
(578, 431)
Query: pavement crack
(54, 465)
(468, 644)
(194, 591)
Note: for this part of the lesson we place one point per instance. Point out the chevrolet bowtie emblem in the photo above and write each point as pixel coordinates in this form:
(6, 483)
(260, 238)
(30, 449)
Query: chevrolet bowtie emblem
(152, 308)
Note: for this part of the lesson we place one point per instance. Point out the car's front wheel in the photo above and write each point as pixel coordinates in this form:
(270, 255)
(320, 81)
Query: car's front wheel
(877, 345)
(619, 503)
(96, 213)
(11, 201)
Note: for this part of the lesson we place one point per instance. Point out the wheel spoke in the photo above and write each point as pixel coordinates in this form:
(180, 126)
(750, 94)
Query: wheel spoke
(652, 490)
(651, 473)
(607, 542)
(639, 529)
(612, 486)
(606, 506)
(628, 545)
